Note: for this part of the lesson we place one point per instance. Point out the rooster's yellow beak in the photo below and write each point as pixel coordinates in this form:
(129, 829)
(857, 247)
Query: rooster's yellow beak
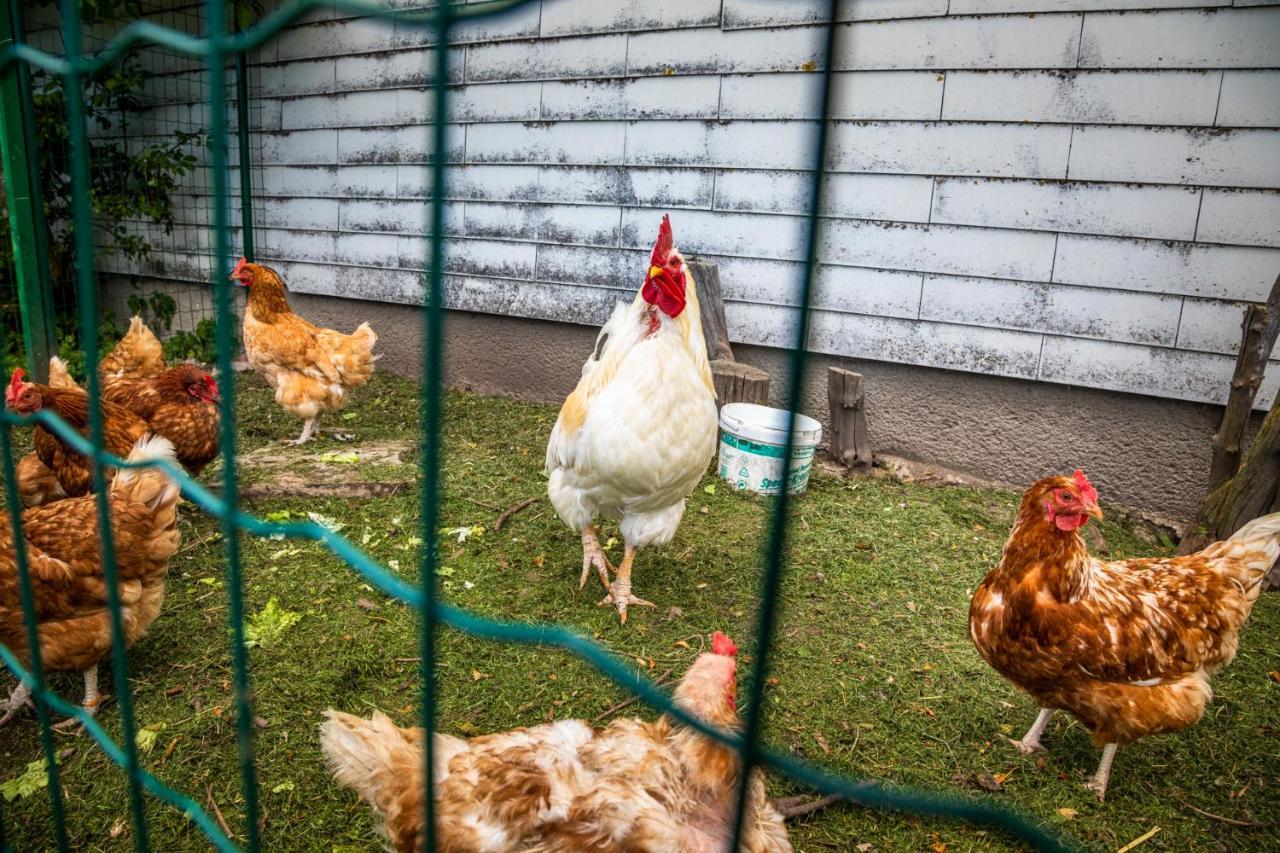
(654, 272)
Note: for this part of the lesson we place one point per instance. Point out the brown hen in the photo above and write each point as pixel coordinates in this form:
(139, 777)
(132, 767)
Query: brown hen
(65, 561)
(179, 403)
(1125, 646)
(121, 429)
(634, 785)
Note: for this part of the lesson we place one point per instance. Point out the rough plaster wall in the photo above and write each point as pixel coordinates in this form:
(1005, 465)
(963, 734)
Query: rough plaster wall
(1071, 191)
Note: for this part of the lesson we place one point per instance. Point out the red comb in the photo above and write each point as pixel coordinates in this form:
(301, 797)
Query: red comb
(239, 265)
(1087, 491)
(722, 645)
(662, 248)
(18, 375)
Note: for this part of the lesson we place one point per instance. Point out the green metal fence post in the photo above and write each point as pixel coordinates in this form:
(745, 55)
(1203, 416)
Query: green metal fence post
(242, 136)
(26, 212)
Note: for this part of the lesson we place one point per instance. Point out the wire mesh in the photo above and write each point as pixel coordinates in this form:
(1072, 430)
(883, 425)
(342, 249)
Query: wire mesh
(203, 55)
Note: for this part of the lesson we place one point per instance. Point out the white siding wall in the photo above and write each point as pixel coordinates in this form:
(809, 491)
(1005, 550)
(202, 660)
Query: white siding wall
(1072, 191)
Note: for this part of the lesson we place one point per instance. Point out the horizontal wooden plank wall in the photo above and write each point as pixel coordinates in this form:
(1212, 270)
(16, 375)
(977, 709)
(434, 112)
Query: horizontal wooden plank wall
(1071, 191)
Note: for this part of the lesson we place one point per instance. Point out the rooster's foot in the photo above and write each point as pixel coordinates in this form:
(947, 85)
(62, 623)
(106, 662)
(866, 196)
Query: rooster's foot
(593, 555)
(1027, 746)
(622, 599)
(19, 697)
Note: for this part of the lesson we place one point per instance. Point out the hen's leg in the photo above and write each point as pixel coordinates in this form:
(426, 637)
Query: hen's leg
(593, 555)
(92, 699)
(1098, 782)
(1031, 740)
(620, 591)
(18, 697)
(308, 430)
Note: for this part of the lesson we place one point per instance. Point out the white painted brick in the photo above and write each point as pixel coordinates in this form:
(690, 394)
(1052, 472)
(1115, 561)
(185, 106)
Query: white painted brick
(1240, 217)
(969, 348)
(396, 217)
(491, 258)
(1250, 99)
(379, 250)
(616, 268)
(710, 51)
(297, 78)
(1038, 41)
(1114, 315)
(1025, 255)
(997, 150)
(662, 187)
(357, 109)
(1218, 272)
(485, 183)
(553, 59)
(1111, 97)
(495, 102)
(993, 7)
(328, 181)
(704, 232)
(560, 224)
(399, 68)
(855, 95)
(407, 144)
(1179, 374)
(299, 148)
(310, 213)
(894, 197)
(574, 17)
(1245, 158)
(587, 144)
(521, 22)
(334, 38)
(1211, 325)
(877, 293)
(1230, 38)
(636, 98)
(769, 13)
(589, 306)
(764, 145)
(1119, 209)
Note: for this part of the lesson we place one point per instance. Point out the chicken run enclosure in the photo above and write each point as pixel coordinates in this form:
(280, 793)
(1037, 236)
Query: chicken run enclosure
(201, 129)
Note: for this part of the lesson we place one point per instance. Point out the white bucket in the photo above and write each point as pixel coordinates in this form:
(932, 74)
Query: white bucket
(753, 440)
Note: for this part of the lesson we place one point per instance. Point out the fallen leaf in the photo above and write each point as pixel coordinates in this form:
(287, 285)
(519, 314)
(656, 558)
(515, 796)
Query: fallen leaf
(146, 736)
(822, 742)
(365, 604)
(709, 488)
(865, 847)
(333, 458)
(1274, 676)
(282, 787)
(682, 644)
(702, 586)
(118, 828)
(268, 625)
(539, 560)
(771, 681)
(1067, 813)
(477, 675)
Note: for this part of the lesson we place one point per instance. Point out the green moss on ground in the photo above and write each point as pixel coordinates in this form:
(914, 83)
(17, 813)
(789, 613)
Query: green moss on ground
(875, 673)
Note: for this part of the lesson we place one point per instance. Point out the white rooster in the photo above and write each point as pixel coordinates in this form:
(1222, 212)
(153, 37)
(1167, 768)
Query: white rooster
(635, 436)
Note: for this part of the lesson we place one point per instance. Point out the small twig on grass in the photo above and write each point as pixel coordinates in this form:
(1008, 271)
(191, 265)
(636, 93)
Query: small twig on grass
(481, 504)
(512, 510)
(217, 812)
(628, 702)
(794, 807)
(1144, 837)
(1230, 820)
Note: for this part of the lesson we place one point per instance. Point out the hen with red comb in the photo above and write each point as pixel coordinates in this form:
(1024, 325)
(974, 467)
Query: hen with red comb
(638, 431)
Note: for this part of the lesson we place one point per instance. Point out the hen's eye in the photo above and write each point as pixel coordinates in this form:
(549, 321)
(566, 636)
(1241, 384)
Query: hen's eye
(1066, 497)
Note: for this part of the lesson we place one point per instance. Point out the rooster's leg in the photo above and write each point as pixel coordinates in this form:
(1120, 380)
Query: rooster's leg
(92, 700)
(308, 430)
(593, 555)
(18, 697)
(620, 590)
(1098, 782)
(1031, 740)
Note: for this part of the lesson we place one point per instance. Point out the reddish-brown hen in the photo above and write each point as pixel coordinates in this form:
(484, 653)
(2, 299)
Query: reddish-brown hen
(1126, 646)
(180, 404)
(631, 786)
(138, 355)
(121, 429)
(65, 560)
(310, 368)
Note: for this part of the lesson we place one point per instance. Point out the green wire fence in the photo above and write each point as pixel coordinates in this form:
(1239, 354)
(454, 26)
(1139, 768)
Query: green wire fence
(218, 48)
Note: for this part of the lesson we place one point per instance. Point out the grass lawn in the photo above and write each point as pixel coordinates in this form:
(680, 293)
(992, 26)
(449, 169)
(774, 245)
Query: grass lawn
(875, 674)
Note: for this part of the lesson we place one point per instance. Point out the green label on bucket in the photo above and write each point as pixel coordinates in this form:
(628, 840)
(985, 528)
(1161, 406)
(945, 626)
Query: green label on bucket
(758, 449)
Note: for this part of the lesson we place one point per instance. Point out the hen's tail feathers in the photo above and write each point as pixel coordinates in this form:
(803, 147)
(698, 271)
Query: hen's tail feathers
(368, 755)
(150, 486)
(37, 484)
(1262, 536)
(59, 375)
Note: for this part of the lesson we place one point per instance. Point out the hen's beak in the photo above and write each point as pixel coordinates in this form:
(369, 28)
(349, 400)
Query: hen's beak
(1094, 510)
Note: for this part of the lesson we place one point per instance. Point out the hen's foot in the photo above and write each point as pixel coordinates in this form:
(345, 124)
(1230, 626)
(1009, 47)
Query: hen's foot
(18, 697)
(1031, 740)
(1098, 781)
(73, 725)
(620, 597)
(1027, 746)
(593, 556)
(1098, 786)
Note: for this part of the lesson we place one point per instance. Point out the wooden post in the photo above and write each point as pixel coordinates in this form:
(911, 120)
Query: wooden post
(26, 211)
(735, 382)
(850, 443)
